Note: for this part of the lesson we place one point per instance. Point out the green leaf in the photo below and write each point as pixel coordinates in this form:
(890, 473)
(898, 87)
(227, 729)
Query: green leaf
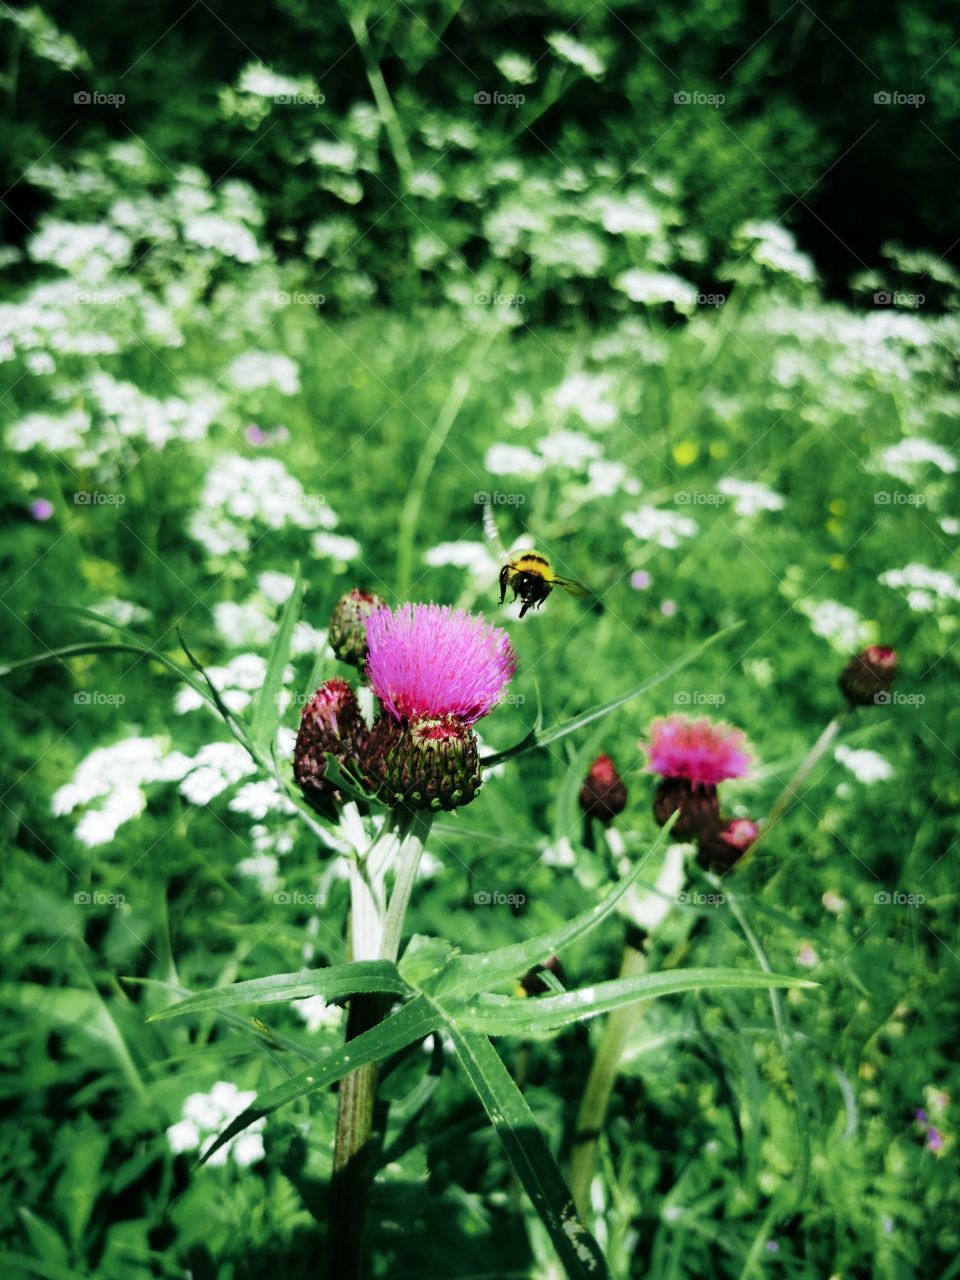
(517, 1016)
(529, 1154)
(334, 983)
(534, 739)
(266, 711)
(480, 972)
(411, 1022)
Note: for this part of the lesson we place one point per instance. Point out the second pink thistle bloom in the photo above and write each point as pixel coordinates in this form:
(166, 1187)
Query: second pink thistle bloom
(692, 757)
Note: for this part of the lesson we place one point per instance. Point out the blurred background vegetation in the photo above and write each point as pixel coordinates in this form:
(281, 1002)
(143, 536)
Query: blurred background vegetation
(688, 313)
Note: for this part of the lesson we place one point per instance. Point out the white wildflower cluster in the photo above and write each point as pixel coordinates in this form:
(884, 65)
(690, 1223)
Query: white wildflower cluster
(925, 587)
(838, 624)
(665, 528)
(749, 497)
(866, 766)
(241, 493)
(109, 784)
(262, 370)
(215, 767)
(205, 1115)
(237, 682)
(909, 458)
(654, 288)
(772, 246)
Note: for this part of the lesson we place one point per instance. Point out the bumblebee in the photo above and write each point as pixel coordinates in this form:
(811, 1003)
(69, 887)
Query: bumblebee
(531, 578)
(527, 573)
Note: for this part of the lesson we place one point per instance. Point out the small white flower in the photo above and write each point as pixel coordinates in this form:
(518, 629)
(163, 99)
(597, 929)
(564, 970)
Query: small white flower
(316, 1013)
(512, 460)
(866, 766)
(750, 497)
(666, 528)
(838, 624)
(333, 546)
(924, 586)
(910, 457)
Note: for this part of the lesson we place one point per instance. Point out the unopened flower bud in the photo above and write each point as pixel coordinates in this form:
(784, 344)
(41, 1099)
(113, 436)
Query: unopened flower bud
(727, 845)
(532, 983)
(348, 632)
(698, 805)
(868, 676)
(431, 763)
(331, 723)
(603, 794)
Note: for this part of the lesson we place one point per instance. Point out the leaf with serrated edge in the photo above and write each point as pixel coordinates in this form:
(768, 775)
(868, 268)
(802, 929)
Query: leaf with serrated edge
(334, 983)
(529, 1154)
(514, 1016)
(480, 972)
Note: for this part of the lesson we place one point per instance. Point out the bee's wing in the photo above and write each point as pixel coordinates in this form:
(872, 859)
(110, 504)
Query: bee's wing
(492, 533)
(575, 588)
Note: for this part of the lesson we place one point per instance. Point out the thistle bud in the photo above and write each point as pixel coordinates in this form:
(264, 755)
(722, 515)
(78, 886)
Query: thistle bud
(698, 805)
(331, 723)
(603, 794)
(348, 632)
(728, 844)
(431, 763)
(532, 983)
(868, 676)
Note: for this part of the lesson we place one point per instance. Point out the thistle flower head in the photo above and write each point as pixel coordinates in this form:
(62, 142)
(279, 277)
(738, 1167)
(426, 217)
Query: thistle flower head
(428, 661)
(696, 750)
(868, 676)
(431, 763)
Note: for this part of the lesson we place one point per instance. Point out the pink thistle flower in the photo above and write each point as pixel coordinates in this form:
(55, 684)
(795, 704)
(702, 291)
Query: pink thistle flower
(696, 750)
(431, 660)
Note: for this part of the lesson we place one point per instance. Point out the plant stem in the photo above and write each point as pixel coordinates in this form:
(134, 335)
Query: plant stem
(372, 934)
(791, 791)
(600, 1082)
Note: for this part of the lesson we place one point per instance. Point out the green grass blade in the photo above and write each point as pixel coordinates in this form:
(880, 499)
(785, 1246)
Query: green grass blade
(266, 712)
(535, 740)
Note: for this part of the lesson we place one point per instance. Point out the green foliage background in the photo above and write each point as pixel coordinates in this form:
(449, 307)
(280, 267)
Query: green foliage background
(370, 264)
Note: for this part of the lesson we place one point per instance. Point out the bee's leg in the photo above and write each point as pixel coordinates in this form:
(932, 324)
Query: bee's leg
(503, 585)
(526, 606)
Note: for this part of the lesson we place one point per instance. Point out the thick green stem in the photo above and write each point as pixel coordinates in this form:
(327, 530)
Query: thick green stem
(600, 1082)
(373, 934)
